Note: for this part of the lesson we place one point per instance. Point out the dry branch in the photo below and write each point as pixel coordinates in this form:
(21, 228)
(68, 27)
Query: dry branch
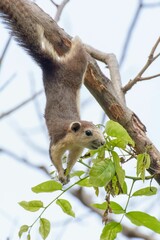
(139, 77)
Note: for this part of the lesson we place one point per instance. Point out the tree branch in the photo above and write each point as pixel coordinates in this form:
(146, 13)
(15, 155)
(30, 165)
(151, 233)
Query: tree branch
(60, 9)
(20, 105)
(111, 61)
(5, 50)
(24, 160)
(139, 78)
(130, 31)
(7, 82)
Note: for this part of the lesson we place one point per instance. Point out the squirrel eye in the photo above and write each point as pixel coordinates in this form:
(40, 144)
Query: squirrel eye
(88, 133)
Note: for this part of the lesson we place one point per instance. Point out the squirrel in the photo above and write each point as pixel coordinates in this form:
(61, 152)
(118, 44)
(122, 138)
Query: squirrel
(62, 78)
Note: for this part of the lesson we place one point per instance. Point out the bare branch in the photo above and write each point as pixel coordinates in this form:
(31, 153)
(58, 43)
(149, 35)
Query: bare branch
(130, 32)
(60, 9)
(139, 77)
(23, 160)
(150, 77)
(20, 105)
(5, 50)
(8, 82)
(55, 4)
(36, 104)
(111, 61)
(27, 138)
(151, 5)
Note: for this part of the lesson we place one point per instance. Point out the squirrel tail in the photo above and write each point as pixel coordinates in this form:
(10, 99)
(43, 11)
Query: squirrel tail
(24, 20)
(33, 33)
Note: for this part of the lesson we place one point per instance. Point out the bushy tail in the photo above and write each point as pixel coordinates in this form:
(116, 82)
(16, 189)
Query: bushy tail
(24, 19)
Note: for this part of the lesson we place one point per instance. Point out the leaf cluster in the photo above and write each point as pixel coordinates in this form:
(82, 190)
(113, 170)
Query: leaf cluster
(107, 171)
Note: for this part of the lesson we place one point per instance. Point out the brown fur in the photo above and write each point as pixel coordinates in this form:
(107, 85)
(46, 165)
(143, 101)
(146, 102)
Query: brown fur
(62, 77)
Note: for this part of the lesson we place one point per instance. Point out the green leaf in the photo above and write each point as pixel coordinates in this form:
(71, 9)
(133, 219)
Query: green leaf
(44, 228)
(116, 208)
(28, 237)
(148, 160)
(119, 143)
(110, 231)
(148, 191)
(23, 229)
(140, 166)
(48, 186)
(85, 183)
(144, 219)
(101, 173)
(143, 163)
(65, 206)
(124, 189)
(31, 206)
(96, 189)
(114, 129)
(77, 174)
(102, 206)
(119, 170)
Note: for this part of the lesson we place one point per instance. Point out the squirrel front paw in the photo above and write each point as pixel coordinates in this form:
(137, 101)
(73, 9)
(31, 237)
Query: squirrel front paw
(64, 179)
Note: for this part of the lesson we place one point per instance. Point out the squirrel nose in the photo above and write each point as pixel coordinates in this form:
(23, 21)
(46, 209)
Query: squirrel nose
(103, 142)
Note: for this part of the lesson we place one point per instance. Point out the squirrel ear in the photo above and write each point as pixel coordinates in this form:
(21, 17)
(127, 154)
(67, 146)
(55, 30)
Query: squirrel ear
(75, 126)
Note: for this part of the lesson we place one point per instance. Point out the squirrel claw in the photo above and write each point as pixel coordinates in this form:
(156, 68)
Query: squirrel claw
(64, 179)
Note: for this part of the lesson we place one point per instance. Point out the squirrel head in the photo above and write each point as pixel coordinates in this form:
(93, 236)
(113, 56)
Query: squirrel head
(86, 135)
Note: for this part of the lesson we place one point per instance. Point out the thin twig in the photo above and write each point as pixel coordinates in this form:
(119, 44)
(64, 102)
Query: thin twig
(20, 105)
(150, 5)
(28, 139)
(139, 77)
(130, 32)
(37, 105)
(5, 50)
(8, 82)
(23, 160)
(55, 4)
(60, 9)
(150, 77)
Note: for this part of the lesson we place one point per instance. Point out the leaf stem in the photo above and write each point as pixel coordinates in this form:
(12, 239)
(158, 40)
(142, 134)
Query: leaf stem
(45, 208)
(138, 178)
(129, 196)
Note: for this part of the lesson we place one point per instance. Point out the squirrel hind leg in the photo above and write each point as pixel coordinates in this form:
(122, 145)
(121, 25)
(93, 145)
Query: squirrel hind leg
(64, 179)
(76, 57)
